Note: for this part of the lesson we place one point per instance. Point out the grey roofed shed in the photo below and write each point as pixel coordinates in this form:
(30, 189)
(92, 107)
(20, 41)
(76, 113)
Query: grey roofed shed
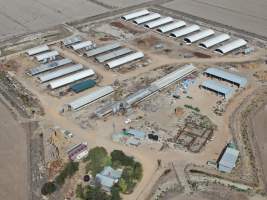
(85, 100)
(159, 22)
(227, 76)
(102, 49)
(198, 36)
(217, 87)
(82, 45)
(171, 26)
(231, 46)
(214, 40)
(72, 40)
(185, 31)
(47, 55)
(147, 18)
(49, 66)
(135, 14)
(125, 59)
(228, 160)
(36, 50)
(71, 78)
(61, 72)
(113, 54)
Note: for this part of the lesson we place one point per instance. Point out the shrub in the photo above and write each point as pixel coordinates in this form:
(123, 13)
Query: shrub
(48, 188)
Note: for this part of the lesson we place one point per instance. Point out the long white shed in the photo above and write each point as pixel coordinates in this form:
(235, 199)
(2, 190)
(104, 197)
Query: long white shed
(147, 18)
(214, 40)
(159, 22)
(131, 16)
(71, 78)
(171, 26)
(51, 55)
(125, 59)
(185, 31)
(82, 45)
(236, 44)
(36, 50)
(90, 98)
(199, 36)
(58, 73)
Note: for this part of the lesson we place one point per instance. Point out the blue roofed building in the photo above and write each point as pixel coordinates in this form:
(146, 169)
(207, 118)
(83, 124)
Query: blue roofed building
(226, 76)
(136, 134)
(218, 88)
(228, 160)
(108, 177)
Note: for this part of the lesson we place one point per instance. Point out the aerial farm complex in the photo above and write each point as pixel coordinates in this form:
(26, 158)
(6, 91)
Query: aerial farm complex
(139, 103)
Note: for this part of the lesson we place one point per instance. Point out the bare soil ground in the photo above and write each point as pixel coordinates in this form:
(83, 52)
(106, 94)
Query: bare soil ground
(13, 155)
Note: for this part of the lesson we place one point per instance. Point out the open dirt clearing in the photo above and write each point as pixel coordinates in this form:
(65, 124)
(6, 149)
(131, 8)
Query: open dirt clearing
(13, 154)
(17, 17)
(248, 15)
(260, 127)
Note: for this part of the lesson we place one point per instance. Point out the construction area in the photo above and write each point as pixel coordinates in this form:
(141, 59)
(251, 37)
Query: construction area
(171, 91)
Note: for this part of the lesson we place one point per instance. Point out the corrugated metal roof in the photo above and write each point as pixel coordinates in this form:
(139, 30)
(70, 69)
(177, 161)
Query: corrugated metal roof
(110, 172)
(229, 159)
(125, 59)
(174, 76)
(147, 18)
(105, 180)
(135, 14)
(81, 45)
(79, 87)
(49, 66)
(185, 31)
(71, 40)
(227, 76)
(218, 87)
(60, 72)
(47, 55)
(159, 22)
(198, 36)
(71, 78)
(215, 40)
(171, 26)
(37, 50)
(85, 100)
(102, 49)
(231, 46)
(113, 54)
(137, 96)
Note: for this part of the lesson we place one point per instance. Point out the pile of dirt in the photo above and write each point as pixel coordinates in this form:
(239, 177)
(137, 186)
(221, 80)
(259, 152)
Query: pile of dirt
(147, 42)
(201, 55)
(261, 75)
(179, 112)
(120, 25)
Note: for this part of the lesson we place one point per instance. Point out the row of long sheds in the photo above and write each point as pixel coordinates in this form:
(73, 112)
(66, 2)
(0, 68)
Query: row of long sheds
(114, 55)
(191, 33)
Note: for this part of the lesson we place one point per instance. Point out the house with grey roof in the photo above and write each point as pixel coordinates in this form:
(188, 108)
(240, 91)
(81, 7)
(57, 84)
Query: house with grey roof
(228, 160)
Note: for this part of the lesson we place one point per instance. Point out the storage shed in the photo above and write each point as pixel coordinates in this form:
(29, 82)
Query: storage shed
(85, 100)
(147, 18)
(170, 27)
(102, 49)
(185, 31)
(214, 41)
(48, 56)
(134, 15)
(125, 59)
(84, 85)
(71, 78)
(159, 22)
(228, 160)
(231, 46)
(226, 76)
(199, 36)
(37, 50)
(82, 45)
(113, 54)
(218, 88)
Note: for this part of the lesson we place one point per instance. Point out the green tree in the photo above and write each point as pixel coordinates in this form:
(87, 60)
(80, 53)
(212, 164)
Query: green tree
(138, 171)
(97, 159)
(115, 193)
(119, 156)
(79, 191)
(122, 185)
(48, 188)
(95, 193)
(68, 171)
